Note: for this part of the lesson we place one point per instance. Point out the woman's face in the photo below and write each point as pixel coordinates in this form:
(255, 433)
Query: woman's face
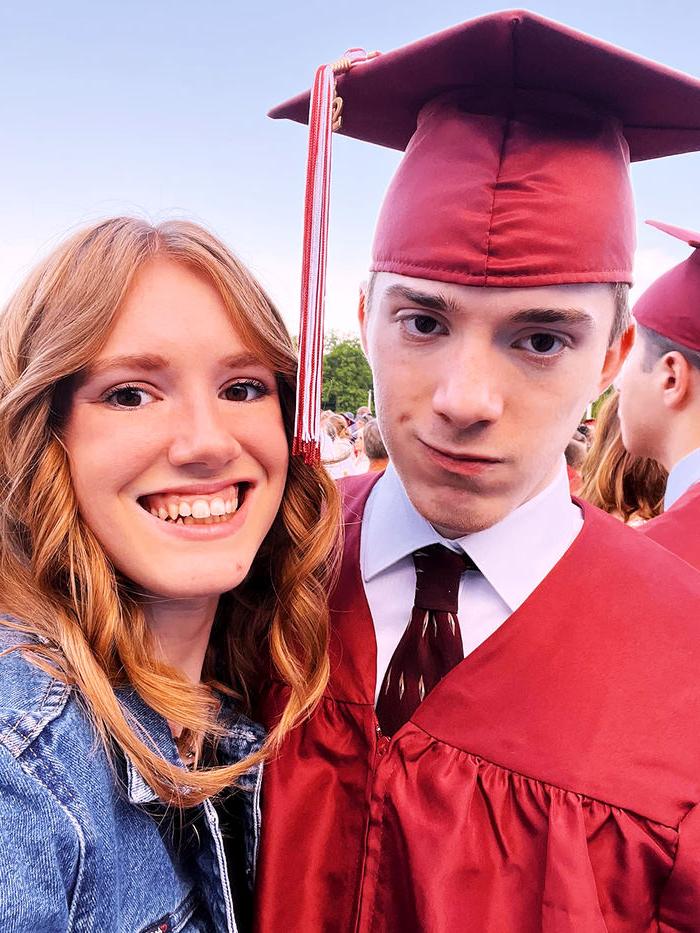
(175, 438)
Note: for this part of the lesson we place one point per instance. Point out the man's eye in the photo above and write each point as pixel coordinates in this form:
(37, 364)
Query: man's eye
(422, 325)
(245, 391)
(543, 344)
(128, 397)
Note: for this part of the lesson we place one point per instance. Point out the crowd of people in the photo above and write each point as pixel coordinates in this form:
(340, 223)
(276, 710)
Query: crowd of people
(351, 444)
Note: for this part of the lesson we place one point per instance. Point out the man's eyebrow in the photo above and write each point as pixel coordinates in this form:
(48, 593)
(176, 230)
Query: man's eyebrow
(153, 362)
(574, 316)
(427, 300)
(437, 302)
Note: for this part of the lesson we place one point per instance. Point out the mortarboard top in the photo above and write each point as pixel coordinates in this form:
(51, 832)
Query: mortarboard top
(518, 133)
(671, 304)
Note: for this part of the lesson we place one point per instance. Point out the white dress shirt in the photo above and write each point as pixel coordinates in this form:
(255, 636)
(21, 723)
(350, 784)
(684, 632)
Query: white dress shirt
(513, 557)
(684, 475)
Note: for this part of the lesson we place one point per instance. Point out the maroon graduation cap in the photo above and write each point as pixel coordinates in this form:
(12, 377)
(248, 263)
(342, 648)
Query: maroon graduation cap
(671, 304)
(518, 133)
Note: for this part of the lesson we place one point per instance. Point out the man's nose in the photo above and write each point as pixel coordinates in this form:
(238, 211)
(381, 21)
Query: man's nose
(469, 391)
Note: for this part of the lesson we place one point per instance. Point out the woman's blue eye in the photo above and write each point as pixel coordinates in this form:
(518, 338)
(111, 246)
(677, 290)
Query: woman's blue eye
(245, 391)
(127, 397)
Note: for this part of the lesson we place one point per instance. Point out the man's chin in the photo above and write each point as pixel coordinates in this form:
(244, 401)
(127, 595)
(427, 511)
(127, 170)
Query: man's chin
(454, 516)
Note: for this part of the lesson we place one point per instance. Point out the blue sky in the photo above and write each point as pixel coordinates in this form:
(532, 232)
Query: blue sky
(158, 108)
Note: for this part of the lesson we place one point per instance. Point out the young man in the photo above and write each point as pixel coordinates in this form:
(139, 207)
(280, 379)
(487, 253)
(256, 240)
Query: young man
(510, 740)
(660, 396)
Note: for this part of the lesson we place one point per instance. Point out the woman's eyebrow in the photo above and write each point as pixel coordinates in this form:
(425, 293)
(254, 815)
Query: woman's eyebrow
(152, 362)
(146, 361)
(573, 316)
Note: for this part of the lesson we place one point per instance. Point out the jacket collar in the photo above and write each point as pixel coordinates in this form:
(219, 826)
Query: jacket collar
(242, 738)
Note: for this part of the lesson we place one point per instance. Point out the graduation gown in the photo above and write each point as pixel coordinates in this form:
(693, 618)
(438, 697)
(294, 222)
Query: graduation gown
(678, 529)
(550, 782)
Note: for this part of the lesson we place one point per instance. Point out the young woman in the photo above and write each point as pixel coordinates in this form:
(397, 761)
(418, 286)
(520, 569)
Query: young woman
(159, 551)
(630, 488)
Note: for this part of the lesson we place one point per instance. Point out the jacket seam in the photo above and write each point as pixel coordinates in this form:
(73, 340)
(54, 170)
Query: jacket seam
(26, 739)
(257, 818)
(75, 896)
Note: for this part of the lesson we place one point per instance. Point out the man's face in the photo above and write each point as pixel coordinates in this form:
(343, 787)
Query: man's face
(643, 416)
(479, 390)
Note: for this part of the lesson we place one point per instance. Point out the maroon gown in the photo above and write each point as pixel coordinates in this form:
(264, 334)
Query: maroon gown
(678, 529)
(550, 782)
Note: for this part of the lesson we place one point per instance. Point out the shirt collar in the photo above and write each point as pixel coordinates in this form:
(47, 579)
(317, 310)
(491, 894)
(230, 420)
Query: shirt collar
(514, 555)
(684, 475)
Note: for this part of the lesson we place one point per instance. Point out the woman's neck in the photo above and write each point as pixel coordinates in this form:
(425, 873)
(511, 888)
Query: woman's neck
(181, 630)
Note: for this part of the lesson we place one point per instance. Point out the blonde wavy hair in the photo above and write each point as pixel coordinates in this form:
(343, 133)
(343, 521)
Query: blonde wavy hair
(614, 480)
(55, 579)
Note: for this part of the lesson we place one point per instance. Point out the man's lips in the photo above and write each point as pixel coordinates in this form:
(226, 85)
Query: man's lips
(462, 455)
(464, 462)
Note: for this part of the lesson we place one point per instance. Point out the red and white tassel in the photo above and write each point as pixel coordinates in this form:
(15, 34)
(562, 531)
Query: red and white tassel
(323, 118)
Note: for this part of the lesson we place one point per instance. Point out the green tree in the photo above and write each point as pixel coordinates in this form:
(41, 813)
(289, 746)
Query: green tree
(347, 378)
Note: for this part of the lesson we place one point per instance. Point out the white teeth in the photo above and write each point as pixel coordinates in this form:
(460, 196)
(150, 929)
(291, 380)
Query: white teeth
(218, 507)
(200, 509)
(206, 511)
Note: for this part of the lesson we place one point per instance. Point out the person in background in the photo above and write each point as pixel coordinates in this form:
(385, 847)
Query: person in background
(363, 413)
(337, 448)
(159, 550)
(660, 395)
(630, 488)
(590, 426)
(361, 458)
(374, 447)
(574, 455)
(510, 740)
(586, 431)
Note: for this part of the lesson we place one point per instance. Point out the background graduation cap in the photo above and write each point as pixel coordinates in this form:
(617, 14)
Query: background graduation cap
(671, 304)
(518, 133)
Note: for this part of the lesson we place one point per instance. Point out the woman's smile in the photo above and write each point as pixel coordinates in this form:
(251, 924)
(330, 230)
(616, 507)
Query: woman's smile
(200, 518)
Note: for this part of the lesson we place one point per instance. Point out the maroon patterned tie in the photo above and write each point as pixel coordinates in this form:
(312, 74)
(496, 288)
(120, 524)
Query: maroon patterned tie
(432, 642)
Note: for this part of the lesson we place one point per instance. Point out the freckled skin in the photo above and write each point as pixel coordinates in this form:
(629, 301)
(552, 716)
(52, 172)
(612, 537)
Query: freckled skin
(475, 385)
(186, 431)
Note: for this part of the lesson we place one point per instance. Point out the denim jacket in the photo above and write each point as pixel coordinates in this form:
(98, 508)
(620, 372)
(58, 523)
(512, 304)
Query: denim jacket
(85, 846)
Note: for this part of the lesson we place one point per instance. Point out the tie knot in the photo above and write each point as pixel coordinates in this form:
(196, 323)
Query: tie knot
(438, 571)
